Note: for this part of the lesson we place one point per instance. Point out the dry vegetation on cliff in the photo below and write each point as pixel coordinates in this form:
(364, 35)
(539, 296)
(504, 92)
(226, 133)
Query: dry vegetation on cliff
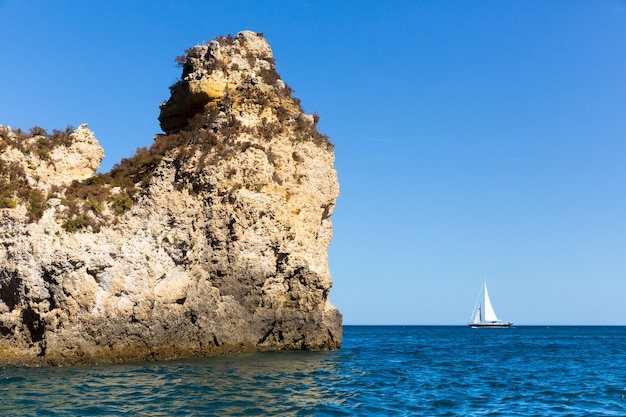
(207, 132)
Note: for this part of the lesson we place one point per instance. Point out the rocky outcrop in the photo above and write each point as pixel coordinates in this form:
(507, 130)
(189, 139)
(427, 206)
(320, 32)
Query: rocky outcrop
(49, 162)
(212, 241)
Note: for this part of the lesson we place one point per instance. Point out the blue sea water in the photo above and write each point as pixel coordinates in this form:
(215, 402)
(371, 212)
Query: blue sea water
(381, 370)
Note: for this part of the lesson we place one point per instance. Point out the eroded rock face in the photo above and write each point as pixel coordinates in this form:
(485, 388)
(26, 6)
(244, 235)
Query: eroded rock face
(224, 248)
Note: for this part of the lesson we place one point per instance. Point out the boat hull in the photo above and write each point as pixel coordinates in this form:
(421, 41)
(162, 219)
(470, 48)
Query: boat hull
(490, 325)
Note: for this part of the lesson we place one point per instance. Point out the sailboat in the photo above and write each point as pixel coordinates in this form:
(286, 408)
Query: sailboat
(484, 315)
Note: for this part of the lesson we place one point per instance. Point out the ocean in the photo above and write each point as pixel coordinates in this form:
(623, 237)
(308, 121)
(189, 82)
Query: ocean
(381, 370)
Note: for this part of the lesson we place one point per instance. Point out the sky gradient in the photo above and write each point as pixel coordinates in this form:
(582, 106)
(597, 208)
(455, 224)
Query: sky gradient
(472, 138)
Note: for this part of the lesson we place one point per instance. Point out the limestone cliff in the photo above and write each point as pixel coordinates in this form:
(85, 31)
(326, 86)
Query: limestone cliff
(213, 240)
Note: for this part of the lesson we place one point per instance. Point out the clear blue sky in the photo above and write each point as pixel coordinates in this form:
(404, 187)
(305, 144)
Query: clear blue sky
(472, 138)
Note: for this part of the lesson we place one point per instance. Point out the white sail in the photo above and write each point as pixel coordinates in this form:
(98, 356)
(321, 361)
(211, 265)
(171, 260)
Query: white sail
(483, 314)
(489, 313)
(476, 318)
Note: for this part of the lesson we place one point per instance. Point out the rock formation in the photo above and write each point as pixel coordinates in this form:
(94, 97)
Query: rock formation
(213, 240)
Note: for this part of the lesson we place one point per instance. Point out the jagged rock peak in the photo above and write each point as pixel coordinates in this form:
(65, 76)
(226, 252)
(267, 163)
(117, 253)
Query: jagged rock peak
(239, 70)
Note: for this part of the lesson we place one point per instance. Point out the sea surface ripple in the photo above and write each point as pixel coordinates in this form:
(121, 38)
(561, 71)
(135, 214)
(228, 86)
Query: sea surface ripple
(381, 370)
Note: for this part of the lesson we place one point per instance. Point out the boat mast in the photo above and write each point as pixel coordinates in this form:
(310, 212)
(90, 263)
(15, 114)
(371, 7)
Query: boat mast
(483, 315)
